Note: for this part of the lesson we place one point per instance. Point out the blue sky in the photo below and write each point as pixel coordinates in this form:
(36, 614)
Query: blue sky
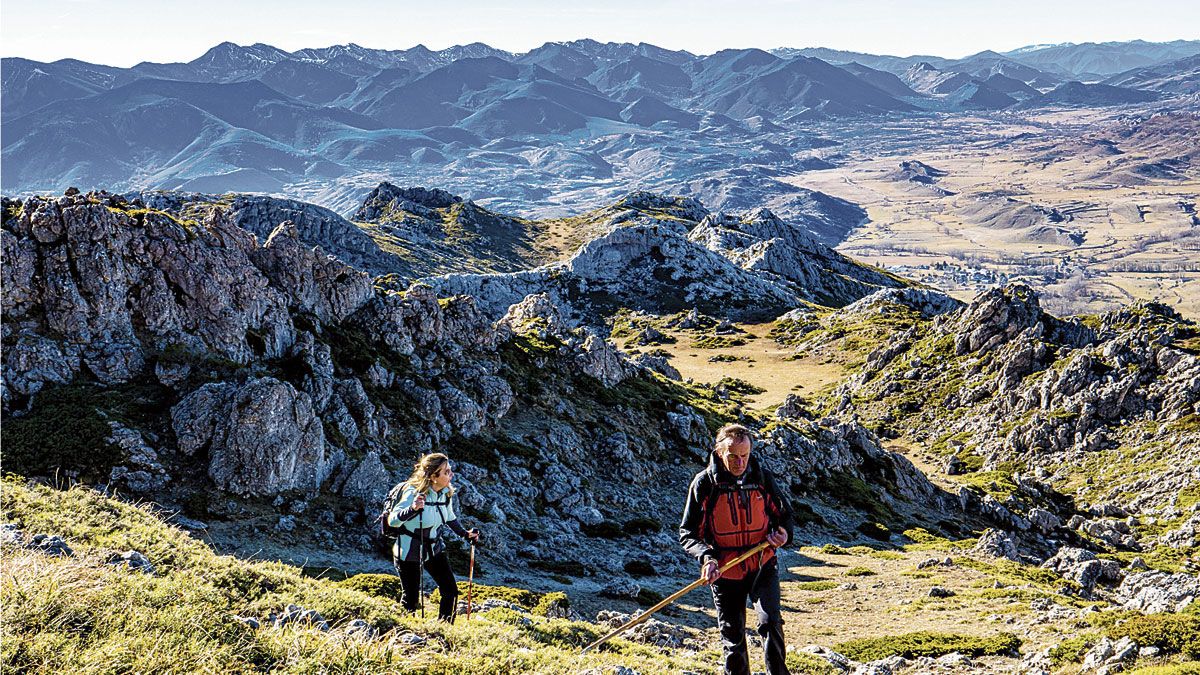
(125, 32)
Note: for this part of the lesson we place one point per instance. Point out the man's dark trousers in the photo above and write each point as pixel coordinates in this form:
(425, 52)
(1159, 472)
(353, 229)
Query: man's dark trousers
(730, 596)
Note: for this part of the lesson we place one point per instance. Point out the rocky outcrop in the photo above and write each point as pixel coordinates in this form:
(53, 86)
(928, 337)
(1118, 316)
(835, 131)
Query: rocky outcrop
(661, 254)
(261, 437)
(1156, 591)
(316, 284)
(760, 242)
(1057, 390)
(316, 226)
(117, 284)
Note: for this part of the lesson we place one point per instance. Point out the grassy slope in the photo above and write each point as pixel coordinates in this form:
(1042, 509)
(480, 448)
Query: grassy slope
(80, 615)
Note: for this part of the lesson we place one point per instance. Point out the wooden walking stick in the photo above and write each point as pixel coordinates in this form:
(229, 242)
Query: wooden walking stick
(470, 580)
(672, 598)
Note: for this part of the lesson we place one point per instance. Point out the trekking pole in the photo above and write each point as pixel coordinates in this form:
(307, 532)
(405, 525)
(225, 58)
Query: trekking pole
(672, 598)
(421, 561)
(470, 580)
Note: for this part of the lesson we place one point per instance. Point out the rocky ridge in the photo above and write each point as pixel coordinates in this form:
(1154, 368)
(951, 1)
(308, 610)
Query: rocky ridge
(664, 255)
(196, 348)
(1065, 430)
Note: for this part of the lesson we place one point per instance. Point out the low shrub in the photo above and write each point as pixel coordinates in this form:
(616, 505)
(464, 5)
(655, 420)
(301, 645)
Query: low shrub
(642, 525)
(875, 531)
(834, 549)
(605, 529)
(803, 663)
(555, 601)
(1072, 650)
(1172, 633)
(379, 585)
(717, 342)
(926, 643)
(859, 572)
(647, 597)
(823, 585)
(640, 567)
(572, 568)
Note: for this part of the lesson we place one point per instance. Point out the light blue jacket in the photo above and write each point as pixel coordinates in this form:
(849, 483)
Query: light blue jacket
(437, 515)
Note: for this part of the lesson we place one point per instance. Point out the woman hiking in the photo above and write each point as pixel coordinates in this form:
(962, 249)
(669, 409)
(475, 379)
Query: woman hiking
(422, 513)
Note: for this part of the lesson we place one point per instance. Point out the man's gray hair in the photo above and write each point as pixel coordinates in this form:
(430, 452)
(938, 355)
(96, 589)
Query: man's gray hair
(730, 434)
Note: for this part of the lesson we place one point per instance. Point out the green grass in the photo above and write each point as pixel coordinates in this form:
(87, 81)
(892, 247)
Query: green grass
(925, 643)
(860, 572)
(1192, 668)
(815, 586)
(1014, 573)
(717, 342)
(80, 615)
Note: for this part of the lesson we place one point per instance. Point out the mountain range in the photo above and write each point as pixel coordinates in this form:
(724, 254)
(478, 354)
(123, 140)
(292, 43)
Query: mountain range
(594, 119)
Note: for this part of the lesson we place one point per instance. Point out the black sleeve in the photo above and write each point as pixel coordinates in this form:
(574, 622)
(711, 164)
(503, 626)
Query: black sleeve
(693, 517)
(457, 527)
(783, 508)
(407, 514)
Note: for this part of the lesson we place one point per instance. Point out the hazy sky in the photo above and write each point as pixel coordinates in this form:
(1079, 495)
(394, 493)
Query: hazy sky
(125, 32)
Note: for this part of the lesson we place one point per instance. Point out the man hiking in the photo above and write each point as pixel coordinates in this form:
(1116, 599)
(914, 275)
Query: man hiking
(421, 514)
(732, 506)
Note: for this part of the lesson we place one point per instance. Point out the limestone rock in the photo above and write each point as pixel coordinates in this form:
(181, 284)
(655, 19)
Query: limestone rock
(132, 560)
(316, 283)
(1155, 591)
(997, 544)
(263, 437)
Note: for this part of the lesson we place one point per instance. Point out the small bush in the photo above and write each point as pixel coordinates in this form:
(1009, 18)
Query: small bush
(642, 525)
(804, 514)
(816, 585)
(875, 531)
(64, 430)
(554, 601)
(1172, 633)
(379, 585)
(859, 572)
(1072, 650)
(926, 643)
(740, 386)
(717, 342)
(640, 567)
(647, 597)
(834, 549)
(803, 663)
(605, 529)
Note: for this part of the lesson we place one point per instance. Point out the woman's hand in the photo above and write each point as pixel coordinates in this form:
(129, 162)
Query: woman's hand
(710, 571)
(419, 502)
(473, 534)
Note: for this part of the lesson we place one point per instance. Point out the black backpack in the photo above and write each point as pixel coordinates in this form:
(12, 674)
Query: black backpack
(389, 503)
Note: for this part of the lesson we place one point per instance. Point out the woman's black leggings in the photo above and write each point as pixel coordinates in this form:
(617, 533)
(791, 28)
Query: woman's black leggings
(438, 567)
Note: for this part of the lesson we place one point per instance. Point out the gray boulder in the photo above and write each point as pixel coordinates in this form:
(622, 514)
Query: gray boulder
(262, 437)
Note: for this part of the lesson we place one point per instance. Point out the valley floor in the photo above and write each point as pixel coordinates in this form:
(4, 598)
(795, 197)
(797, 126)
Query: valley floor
(1121, 226)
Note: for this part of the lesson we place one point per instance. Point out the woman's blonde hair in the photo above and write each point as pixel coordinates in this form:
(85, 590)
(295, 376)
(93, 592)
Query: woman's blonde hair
(422, 476)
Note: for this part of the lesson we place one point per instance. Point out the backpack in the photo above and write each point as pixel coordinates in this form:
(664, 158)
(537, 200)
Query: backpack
(389, 503)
